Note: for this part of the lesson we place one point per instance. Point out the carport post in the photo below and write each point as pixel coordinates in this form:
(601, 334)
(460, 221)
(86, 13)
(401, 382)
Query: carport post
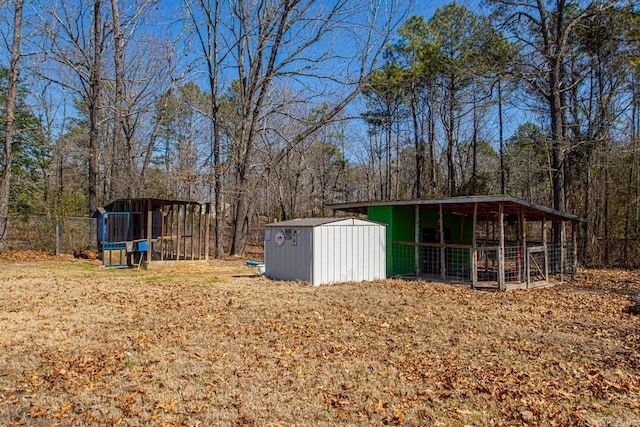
(574, 236)
(443, 264)
(474, 254)
(149, 229)
(207, 219)
(546, 250)
(501, 283)
(416, 237)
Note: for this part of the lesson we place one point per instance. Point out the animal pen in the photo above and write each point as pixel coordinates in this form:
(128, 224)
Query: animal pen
(133, 231)
(486, 241)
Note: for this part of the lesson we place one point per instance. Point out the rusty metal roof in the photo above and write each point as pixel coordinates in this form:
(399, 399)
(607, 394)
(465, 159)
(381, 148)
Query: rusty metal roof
(487, 207)
(126, 204)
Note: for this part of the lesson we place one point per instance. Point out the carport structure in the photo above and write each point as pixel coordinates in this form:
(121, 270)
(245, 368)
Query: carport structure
(487, 241)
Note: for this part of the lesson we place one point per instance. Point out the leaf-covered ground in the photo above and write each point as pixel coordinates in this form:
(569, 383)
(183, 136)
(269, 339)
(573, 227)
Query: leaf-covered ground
(214, 345)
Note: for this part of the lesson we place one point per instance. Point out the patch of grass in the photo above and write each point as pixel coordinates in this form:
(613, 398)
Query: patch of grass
(86, 265)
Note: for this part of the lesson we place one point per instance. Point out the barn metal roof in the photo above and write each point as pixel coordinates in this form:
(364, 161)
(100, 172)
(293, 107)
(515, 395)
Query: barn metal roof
(487, 207)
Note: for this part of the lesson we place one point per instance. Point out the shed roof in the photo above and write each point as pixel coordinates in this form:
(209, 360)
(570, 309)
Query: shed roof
(126, 204)
(487, 207)
(315, 222)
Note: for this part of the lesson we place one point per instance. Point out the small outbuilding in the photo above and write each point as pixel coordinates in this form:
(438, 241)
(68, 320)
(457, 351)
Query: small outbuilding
(132, 231)
(488, 241)
(325, 250)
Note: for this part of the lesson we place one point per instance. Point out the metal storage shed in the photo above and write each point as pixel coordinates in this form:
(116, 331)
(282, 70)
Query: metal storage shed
(325, 250)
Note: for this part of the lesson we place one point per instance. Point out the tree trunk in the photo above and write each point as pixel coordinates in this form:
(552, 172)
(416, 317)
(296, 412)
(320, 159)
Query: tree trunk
(557, 142)
(209, 41)
(5, 179)
(94, 106)
(501, 137)
(451, 167)
(118, 59)
(474, 140)
(418, 143)
(265, 43)
(432, 149)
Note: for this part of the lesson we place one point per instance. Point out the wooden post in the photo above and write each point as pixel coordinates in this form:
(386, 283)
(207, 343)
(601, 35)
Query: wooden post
(206, 230)
(486, 243)
(501, 279)
(199, 232)
(443, 264)
(173, 232)
(193, 220)
(525, 257)
(416, 238)
(546, 251)
(149, 230)
(178, 232)
(574, 235)
(169, 232)
(563, 243)
(185, 217)
(527, 268)
(473, 259)
(162, 233)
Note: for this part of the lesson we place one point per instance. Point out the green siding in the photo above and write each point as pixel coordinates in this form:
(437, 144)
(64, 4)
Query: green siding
(400, 228)
(384, 215)
(400, 222)
(403, 231)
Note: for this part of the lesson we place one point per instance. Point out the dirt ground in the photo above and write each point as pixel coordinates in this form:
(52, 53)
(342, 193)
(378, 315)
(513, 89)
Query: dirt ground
(217, 345)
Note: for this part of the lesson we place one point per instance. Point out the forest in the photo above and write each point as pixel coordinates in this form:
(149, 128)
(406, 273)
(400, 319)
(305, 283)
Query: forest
(275, 109)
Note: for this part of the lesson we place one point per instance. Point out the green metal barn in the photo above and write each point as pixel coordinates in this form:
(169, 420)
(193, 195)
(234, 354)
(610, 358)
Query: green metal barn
(486, 241)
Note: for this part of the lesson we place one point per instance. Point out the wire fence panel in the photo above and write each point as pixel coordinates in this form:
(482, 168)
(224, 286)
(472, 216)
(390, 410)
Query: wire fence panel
(562, 261)
(514, 267)
(537, 264)
(452, 264)
(487, 264)
(42, 233)
(511, 266)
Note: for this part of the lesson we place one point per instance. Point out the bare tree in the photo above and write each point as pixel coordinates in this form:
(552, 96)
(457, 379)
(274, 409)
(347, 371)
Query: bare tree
(65, 40)
(133, 83)
(546, 31)
(205, 16)
(96, 52)
(5, 177)
(292, 39)
(118, 59)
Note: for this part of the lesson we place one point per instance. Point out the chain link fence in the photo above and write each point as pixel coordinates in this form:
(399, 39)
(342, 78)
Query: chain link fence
(64, 235)
(54, 235)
